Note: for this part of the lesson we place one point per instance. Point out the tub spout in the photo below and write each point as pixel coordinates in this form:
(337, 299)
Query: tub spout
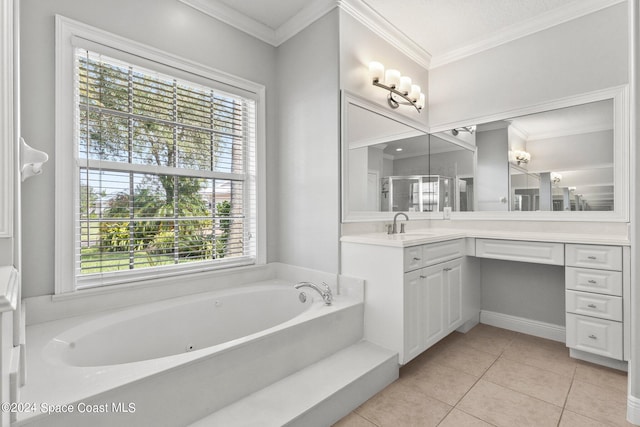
(325, 291)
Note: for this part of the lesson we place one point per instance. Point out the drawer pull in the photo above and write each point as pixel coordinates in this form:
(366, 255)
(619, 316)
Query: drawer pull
(592, 257)
(593, 337)
(446, 269)
(593, 282)
(592, 306)
(423, 277)
(416, 259)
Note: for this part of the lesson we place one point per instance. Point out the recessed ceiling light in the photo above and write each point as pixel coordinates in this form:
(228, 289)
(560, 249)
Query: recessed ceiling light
(398, 149)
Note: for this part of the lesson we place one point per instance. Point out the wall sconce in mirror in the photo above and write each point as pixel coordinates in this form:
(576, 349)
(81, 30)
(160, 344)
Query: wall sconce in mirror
(520, 157)
(31, 160)
(396, 84)
(555, 178)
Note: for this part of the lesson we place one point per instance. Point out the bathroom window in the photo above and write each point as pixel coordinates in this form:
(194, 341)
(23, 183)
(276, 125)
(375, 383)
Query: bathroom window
(164, 175)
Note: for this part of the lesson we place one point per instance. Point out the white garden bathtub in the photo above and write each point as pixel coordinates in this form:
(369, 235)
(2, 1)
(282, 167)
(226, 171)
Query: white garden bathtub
(175, 361)
(174, 327)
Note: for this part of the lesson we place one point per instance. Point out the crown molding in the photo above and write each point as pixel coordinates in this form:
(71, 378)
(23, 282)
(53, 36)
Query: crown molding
(522, 29)
(274, 37)
(371, 19)
(224, 13)
(301, 20)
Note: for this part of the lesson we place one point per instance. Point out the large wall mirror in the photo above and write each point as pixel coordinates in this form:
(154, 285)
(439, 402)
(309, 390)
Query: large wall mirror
(565, 160)
(393, 165)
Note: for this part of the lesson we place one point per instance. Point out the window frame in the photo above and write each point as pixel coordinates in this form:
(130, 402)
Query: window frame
(71, 34)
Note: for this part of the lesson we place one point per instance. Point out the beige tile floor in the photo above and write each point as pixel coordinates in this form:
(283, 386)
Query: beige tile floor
(494, 377)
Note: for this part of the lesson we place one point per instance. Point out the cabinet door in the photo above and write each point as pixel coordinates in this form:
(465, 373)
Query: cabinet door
(435, 304)
(414, 302)
(453, 284)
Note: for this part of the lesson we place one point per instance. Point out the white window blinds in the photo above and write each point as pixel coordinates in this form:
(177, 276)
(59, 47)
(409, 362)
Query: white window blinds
(165, 171)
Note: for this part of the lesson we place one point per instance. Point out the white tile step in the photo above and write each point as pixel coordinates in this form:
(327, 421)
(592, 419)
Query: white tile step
(318, 395)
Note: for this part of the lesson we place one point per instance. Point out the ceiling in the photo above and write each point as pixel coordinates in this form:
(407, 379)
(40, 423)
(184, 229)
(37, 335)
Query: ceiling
(442, 30)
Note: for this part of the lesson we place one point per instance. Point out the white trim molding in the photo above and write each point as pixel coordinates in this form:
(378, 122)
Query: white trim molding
(633, 409)
(7, 131)
(9, 288)
(525, 326)
(371, 19)
(273, 36)
(69, 33)
(378, 24)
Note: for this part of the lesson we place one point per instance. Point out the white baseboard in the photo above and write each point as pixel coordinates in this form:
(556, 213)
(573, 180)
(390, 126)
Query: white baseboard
(633, 410)
(525, 326)
(599, 360)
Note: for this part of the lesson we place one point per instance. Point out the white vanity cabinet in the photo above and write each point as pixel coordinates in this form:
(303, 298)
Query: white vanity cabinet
(433, 305)
(414, 296)
(595, 282)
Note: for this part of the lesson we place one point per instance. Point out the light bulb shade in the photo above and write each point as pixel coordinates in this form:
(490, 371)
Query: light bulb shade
(376, 71)
(420, 101)
(405, 85)
(392, 78)
(522, 156)
(414, 94)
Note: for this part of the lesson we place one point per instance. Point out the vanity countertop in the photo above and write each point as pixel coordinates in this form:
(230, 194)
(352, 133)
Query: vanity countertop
(433, 235)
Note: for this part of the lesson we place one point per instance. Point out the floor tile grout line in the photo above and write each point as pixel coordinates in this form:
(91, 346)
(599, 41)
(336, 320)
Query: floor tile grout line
(474, 384)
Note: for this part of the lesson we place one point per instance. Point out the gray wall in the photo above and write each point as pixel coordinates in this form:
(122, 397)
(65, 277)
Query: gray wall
(582, 55)
(165, 24)
(532, 291)
(308, 186)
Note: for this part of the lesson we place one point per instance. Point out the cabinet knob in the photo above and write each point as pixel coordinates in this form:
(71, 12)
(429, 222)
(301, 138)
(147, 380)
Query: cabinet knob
(593, 337)
(593, 282)
(591, 306)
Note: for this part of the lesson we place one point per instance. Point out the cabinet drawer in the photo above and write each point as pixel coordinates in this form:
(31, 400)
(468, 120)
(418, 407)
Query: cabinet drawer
(593, 256)
(598, 336)
(433, 253)
(591, 280)
(596, 305)
(413, 258)
(512, 250)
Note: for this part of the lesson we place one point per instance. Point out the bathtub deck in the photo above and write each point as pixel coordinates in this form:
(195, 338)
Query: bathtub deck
(318, 395)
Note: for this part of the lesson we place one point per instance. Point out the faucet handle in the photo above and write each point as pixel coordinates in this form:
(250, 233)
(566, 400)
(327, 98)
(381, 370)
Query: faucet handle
(389, 228)
(402, 227)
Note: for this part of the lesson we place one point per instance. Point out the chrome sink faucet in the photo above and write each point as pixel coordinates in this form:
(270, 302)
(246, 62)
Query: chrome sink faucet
(394, 228)
(325, 292)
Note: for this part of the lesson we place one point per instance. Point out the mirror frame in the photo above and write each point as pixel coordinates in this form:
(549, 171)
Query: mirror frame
(621, 146)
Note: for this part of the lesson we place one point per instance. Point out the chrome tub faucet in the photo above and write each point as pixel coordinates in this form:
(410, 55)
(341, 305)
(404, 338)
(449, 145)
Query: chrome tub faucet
(325, 291)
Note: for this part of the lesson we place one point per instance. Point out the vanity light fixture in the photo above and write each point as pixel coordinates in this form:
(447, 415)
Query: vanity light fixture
(521, 156)
(555, 177)
(397, 84)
